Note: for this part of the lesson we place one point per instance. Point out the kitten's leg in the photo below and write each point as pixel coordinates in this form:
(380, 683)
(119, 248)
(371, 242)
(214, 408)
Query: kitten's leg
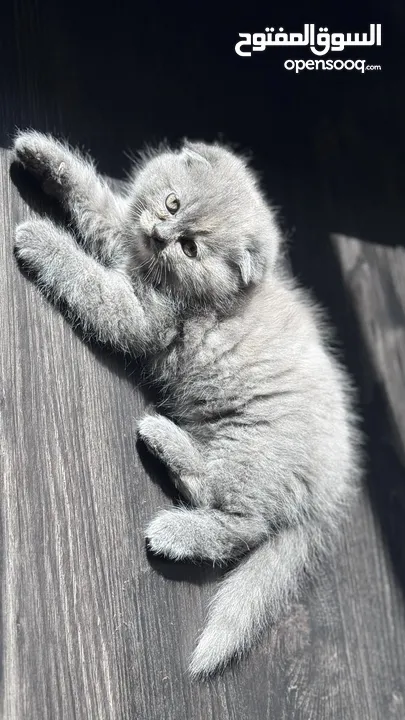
(179, 452)
(204, 534)
(102, 299)
(97, 213)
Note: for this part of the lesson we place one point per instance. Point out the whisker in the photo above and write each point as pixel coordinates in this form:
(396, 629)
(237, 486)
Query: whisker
(151, 269)
(145, 263)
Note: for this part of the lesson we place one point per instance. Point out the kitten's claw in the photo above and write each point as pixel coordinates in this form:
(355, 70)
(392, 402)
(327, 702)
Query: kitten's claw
(44, 157)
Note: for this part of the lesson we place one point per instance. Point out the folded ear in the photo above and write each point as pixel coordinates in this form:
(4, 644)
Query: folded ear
(192, 156)
(252, 265)
(200, 152)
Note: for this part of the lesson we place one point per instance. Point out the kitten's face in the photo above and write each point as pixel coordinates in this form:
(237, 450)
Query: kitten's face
(200, 223)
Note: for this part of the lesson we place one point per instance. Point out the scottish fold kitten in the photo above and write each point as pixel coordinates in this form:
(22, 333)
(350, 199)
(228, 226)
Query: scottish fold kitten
(254, 421)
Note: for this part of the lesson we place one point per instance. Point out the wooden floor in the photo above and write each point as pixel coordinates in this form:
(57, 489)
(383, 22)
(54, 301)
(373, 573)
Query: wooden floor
(93, 629)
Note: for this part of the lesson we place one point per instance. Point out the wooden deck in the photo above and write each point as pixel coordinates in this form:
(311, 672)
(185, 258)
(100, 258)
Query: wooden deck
(91, 628)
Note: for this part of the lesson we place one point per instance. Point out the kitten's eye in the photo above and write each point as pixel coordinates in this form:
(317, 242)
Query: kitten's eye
(189, 247)
(172, 203)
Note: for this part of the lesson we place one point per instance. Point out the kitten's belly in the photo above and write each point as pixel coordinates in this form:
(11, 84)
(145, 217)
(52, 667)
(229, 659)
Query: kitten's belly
(227, 393)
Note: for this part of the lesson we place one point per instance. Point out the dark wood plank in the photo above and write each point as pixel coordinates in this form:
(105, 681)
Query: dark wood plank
(375, 279)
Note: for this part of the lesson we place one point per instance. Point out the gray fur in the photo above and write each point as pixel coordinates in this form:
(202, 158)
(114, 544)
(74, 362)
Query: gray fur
(255, 424)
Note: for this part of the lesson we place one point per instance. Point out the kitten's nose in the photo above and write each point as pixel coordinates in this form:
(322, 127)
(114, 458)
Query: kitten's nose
(161, 234)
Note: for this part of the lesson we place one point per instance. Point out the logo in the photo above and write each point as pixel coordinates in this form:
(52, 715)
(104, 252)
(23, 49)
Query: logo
(320, 43)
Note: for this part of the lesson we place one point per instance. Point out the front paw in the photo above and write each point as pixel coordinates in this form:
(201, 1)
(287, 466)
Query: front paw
(34, 242)
(44, 157)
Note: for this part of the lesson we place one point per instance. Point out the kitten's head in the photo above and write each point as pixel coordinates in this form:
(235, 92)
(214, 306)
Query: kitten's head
(203, 230)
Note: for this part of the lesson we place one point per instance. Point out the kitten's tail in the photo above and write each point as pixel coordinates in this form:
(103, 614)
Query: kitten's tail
(252, 595)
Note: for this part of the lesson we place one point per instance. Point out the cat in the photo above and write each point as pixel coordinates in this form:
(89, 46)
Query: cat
(184, 269)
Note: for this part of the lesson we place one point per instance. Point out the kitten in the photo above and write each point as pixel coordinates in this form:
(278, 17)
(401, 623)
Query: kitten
(258, 433)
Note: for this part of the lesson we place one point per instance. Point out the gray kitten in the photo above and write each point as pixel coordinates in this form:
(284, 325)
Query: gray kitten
(258, 434)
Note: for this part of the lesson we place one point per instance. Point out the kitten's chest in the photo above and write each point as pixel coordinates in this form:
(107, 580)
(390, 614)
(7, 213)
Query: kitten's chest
(203, 364)
(197, 345)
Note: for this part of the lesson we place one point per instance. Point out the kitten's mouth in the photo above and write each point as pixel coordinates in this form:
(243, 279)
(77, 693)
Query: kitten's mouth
(148, 242)
(152, 244)
(157, 267)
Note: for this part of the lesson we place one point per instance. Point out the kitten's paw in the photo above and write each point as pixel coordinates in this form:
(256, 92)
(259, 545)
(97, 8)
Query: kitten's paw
(34, 241)
(152, 432)
(165, 535)
(44, 157)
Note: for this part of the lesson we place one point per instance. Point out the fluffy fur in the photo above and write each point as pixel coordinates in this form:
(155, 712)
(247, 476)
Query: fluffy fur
(254, 421)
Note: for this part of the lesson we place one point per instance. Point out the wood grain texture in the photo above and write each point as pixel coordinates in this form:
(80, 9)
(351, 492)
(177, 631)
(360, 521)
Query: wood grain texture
(90, 629)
